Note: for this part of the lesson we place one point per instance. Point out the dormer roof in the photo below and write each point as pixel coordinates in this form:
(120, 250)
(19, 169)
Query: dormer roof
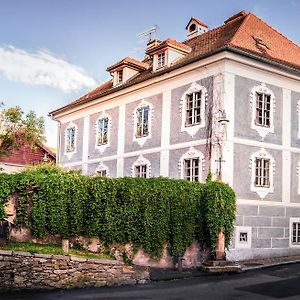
(197, 21)
(129, 62)
(181, 47)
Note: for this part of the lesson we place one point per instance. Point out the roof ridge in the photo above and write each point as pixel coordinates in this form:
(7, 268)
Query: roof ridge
(246, 18)
(275, 30)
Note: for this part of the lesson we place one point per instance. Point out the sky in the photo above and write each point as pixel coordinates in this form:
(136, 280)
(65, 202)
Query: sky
(54, 51)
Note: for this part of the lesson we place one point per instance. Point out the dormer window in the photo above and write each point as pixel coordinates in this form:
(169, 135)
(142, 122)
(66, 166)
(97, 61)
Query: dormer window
(165, 53)
(120, 76)
(161, 60)
(125, 69)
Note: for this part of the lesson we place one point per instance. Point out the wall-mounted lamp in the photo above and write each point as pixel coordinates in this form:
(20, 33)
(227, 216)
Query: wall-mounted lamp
(222, 118)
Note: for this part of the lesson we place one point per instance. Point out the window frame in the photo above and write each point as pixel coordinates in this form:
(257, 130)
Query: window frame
(191, 154)
(263, 90)
(120, 74)
(262, 172)
(102, 147)
(262, 190)
(292, 221)
(141, 114)
(71, 125)
(141, 162)
(243, 244)
(142, 139)
(192, 129)
(101, 168)
(161, 60)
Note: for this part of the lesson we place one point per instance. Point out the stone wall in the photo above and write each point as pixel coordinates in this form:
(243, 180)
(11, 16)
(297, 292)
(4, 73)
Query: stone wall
(22, 270)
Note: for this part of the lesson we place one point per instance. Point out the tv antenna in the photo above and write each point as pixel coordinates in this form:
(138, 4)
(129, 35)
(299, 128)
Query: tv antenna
(149, 33)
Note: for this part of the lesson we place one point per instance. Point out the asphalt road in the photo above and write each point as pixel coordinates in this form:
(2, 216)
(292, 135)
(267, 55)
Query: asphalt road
(273, 283)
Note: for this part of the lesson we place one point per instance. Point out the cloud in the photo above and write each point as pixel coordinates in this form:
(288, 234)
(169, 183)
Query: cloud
(42, 68)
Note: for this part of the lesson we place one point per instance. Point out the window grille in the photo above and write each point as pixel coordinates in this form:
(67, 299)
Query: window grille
(142, 124)
(102, 131)
(70, 146)
(263, 109)
(193, 109)
(191, 169)
(141, 171)
(161, 60)
(262, 172)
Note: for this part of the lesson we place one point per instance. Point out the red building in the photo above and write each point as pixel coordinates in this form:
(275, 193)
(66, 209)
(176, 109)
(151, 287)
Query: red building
(24, 156)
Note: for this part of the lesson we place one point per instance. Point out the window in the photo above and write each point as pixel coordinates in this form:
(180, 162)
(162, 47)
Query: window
(294, 232)
(141, 171)
(161, 60)
(263, 107)
(192, 27)
(191, 169)
(141, 168)
(262, 172)
(142, 124)
(243, 237)
(193, 109)
(262, 101)
(70, 144)
(191, 165)
(102, 131)
(120, 76)
(101, 173)
(102, 170)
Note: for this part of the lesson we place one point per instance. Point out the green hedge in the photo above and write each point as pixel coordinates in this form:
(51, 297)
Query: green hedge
(146, 212)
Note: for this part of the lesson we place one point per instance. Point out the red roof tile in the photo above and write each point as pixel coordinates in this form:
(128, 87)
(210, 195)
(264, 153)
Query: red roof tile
(170, 43)
(25, 155)
(129, 61)
(242, 31)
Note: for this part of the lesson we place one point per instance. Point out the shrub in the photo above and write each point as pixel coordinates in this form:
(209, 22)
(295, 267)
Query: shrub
(145, 212)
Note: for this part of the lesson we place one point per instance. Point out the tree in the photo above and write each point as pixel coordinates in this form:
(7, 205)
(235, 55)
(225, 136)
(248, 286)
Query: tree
(17, 129)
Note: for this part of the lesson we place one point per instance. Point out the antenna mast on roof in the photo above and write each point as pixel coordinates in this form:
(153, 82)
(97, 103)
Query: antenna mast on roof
(149, 33)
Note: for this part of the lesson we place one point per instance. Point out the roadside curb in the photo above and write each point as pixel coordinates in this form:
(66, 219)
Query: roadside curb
(265, 266)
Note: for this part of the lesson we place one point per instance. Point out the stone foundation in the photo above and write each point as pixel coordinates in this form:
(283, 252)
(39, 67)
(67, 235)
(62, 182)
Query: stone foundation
(22, 270)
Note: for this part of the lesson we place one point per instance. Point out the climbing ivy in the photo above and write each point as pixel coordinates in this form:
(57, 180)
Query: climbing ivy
(145, 212)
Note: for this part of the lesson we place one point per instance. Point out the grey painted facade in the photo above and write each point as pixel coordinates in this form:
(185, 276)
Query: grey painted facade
(266, 219)
(243, 111)
(77, 156)
(156, 120)
(93, 152)
(176, 136)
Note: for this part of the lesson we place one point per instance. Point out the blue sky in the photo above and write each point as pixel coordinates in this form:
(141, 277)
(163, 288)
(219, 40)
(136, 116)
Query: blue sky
(52, 52)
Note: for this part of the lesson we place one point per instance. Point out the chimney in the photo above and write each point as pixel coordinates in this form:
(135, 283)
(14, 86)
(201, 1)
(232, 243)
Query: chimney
(195, 27)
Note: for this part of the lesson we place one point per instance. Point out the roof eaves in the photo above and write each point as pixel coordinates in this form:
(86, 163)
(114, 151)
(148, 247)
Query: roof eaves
(281, 65)
(149, 76)
(233, 49)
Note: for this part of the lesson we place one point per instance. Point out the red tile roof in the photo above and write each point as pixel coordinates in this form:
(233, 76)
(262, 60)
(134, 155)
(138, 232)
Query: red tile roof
(243, 32)
(129, 61)
(25, 155)
(169, 43)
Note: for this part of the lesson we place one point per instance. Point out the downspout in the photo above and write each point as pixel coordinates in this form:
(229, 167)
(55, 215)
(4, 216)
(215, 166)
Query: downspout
(58, 143)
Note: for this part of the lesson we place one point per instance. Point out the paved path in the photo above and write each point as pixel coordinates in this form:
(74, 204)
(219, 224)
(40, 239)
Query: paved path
(274, 283)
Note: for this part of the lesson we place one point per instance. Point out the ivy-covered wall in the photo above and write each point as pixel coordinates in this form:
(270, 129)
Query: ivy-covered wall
(145, 212)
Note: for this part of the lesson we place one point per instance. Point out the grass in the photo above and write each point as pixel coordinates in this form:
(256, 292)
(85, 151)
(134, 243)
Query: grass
(51, 249)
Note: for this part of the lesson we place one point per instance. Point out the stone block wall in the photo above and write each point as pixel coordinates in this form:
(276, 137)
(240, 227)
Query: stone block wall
(22, 270)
